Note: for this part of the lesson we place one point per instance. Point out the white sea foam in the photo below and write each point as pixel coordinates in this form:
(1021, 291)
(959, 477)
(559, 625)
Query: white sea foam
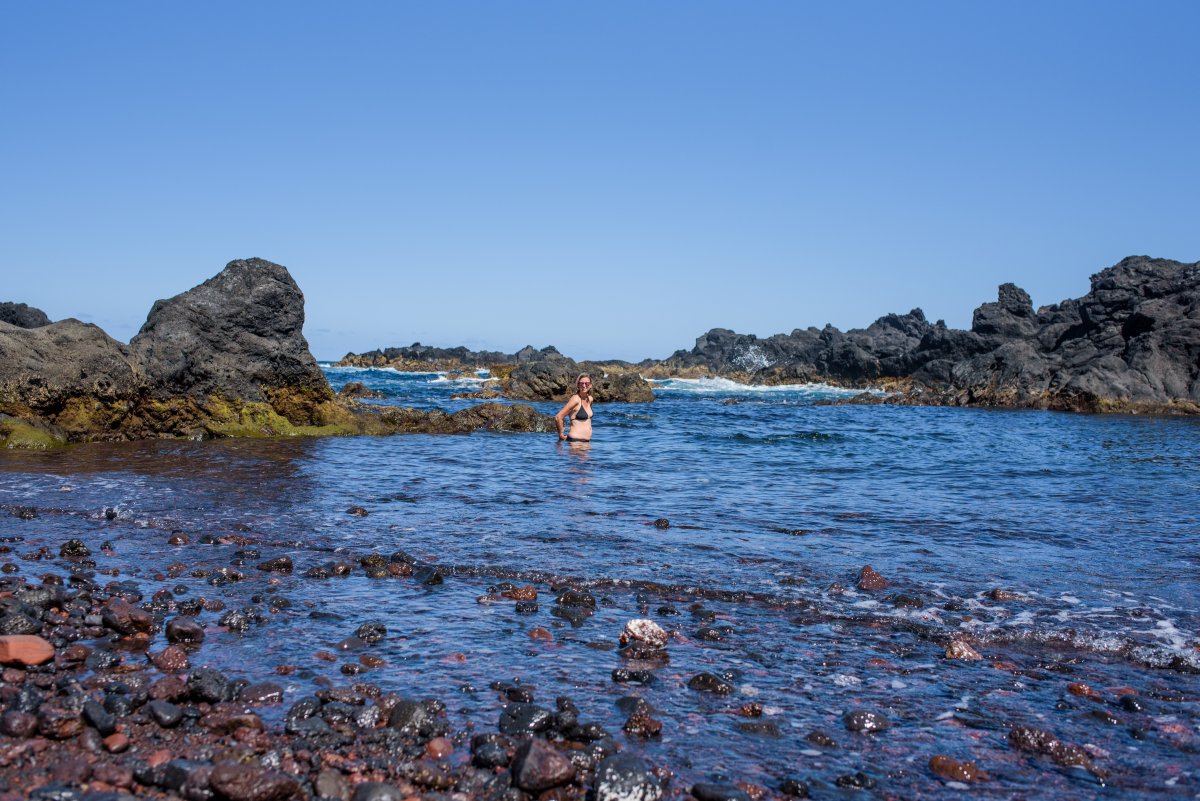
(724, 386)
(392, 370)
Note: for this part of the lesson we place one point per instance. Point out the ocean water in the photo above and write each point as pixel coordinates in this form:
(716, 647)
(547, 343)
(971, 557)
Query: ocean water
(774, 505)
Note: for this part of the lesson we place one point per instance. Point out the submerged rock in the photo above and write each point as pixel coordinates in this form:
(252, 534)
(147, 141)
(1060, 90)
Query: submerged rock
(624, 777)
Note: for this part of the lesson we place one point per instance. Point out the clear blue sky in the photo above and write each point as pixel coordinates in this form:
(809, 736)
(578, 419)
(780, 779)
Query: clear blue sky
(614, 178)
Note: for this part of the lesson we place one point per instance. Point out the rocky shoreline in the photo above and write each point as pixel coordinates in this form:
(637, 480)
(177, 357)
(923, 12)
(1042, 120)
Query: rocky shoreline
(107, 693)
(227, 358)
(1131, 345)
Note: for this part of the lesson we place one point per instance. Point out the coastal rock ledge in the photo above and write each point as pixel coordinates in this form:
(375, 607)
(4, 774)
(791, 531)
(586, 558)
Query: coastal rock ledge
(1131, 344)
(226, 358)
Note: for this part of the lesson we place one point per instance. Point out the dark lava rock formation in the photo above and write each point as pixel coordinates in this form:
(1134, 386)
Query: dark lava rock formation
(1131, 344)
(554, 379)
(247, 321)
(528, 374)
(22, 316)
(227, 358)
(420, 358)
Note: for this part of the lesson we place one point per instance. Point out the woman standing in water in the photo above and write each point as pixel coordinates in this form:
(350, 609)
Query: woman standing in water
(579, 409)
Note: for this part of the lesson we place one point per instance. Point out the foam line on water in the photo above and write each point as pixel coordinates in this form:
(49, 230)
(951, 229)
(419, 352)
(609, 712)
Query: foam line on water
(725, 386)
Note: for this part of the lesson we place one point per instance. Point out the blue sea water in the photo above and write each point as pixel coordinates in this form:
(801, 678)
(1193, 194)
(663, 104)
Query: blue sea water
(774, 505)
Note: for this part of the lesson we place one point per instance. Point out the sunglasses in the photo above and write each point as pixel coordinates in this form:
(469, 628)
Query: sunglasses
(585, 383)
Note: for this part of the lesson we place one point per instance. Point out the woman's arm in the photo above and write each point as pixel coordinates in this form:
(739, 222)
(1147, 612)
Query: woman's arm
(563, 412)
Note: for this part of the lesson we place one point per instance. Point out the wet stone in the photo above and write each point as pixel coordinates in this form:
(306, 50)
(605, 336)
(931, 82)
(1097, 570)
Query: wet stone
(863, 720)
(15, 723)
(1131, 703)
(522, 695)
(706, 791)
(58, 723)
(624, 777)
(958, 649)
(644, 631)
(1025, 738)
(518, 718)
(377, 791)
(185, 630)
(538, 766)
(253, 783)
(710, 634)
(526, 593)
(357, 511)
(572, 598)
(793, 788)
(905, 600)
(761, 728)
(526, 607)
(870, 580)
(491, 751)
(641, 724)
(164, 713)
(626, 676)
(371, 632)
(428, 576)
(206, 684)
(709, 683)
(280, 564)
(953, 770)
(74, 549)
(261, 694)
(416, 719)
(172, 659)
(855, 781)
(331, 784)
(169, 688)
(662, 522)
(575, 615)
(99, 718)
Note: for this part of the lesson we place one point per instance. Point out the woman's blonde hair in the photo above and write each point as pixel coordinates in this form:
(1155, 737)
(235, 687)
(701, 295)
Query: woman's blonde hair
(581, 392)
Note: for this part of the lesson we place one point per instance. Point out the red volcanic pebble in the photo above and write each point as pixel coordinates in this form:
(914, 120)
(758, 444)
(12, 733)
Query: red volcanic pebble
(439, 748)
(1083, 691)
(116, 743)
(540, 633)
(24, 649)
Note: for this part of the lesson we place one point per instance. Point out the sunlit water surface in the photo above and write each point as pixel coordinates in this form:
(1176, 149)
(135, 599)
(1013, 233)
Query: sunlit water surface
(774, 504)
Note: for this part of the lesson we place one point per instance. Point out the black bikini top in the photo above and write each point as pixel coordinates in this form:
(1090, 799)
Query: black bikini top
(582, 413)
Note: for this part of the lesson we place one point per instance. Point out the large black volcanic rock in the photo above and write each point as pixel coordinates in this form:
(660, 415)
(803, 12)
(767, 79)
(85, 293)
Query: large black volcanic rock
(1135, 337)
(236, 335)
(1132, 342)
(22, 316)
(861, 354)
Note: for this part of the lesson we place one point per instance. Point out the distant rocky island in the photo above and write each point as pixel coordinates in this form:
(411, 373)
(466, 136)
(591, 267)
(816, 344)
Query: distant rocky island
(1131, 344)
(225, 359)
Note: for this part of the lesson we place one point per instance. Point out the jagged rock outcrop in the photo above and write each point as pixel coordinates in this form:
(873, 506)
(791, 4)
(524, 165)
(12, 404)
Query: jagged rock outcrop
(22, 316)
(808, 354)
(419, 358)
(1131, 344)
(239, 335)
(554, 379)
(226, 358)
(528, 374)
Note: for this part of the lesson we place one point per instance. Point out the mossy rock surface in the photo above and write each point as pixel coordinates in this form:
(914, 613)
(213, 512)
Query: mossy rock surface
(19, 435)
